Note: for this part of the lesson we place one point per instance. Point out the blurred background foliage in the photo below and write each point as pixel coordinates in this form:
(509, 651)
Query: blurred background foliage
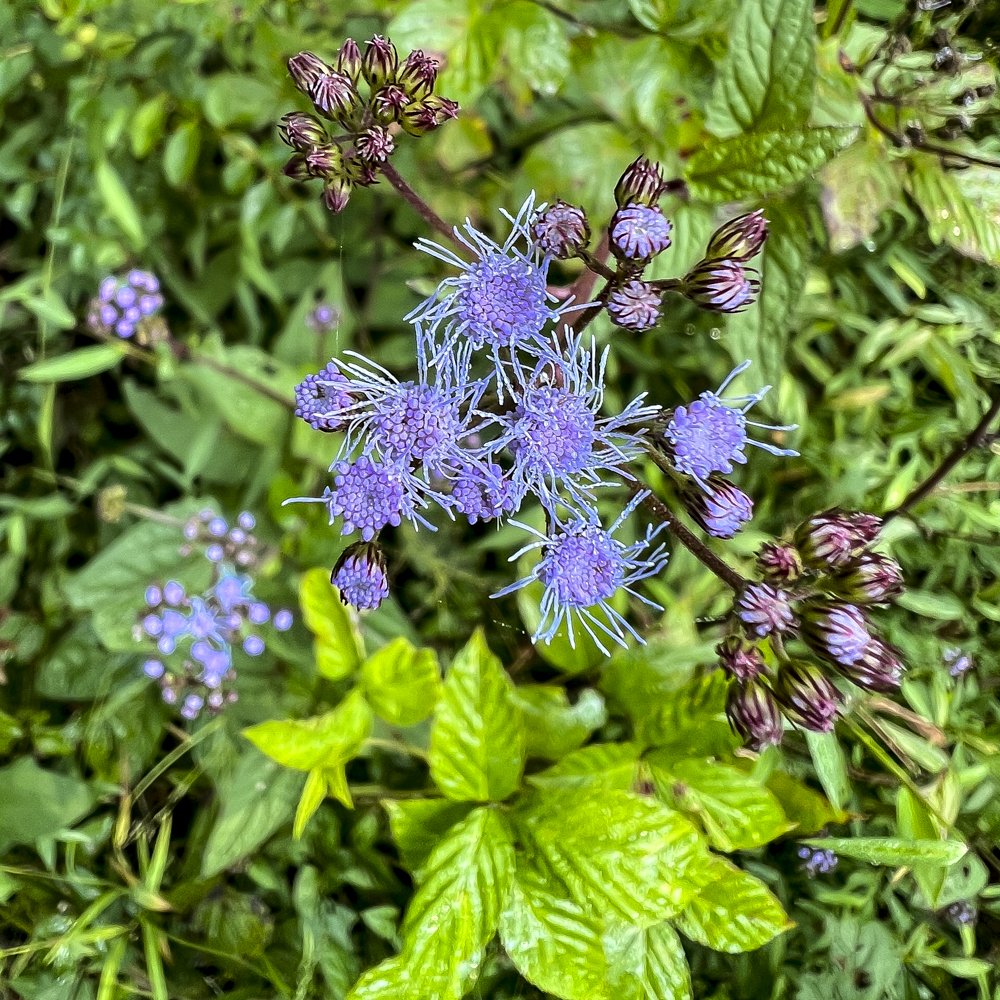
(142, 134)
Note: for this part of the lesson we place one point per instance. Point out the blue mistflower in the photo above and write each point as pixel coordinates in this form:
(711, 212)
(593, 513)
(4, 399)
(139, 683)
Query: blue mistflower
(639, 232)
(710, 434)
(499, 301)
(360, 576)
(482, 492)
(123, 303)
(582, 566)
(322, 399)
(555, 435)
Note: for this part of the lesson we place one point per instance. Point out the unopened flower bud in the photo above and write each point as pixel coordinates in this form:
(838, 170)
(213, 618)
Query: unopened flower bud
(807, 697)
(879, 668)
(872, 579)
(336, 193)
(334, 95)
(739, 239)
(764, 609)
(779, 563)
(378, 65)
(560, 230)
(305, 69)
(835, 632)
(635, 306)
(302, 131)
(417, 74)
(722, 509)
(374, 145)
(739, 658)
(388, 103)
(349, 60)
(427, 114)
(360, 576)
(833, 539)
(639, 232)
(297, 168)
(642, 183)
(324, 161)
(754, 715)
(721, 286)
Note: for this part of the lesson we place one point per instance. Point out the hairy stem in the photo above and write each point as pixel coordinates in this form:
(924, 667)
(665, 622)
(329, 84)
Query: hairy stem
(418, 204)
(970, 442)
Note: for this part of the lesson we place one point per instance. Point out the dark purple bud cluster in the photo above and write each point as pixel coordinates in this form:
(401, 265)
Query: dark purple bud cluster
(361, 102)
(721, 281)
(809, 615)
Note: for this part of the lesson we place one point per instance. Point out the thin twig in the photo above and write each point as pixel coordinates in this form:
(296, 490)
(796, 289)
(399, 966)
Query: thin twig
(418, 204)
(969, 443)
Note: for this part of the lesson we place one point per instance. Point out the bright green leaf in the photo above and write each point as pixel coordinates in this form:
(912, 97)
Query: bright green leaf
(553, 727)
(312, 797)
(647, 963)
(402, 683)
(81, 363)
(893, 851)
(831, 767)
(603, 765)
(338, 642)
(119, 203)
(418, 825)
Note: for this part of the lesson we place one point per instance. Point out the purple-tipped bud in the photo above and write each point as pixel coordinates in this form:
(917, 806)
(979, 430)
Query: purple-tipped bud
(374, 145)
(427, 114)
(336, 193)
(879, 668)
(721, 286)
(836, 632)
(417, 74)
(873, 579)
(349, 60)
(779, 563)
(754, 715)
(560, 230)
(763, 609)
(816, 861)
(961, 913)
(721, 508)
(360, 576)
(324, 161)
(639, 232)
(832, 539)
(334, 95)
(635, 306)
(297, 168)
(641, 183)
(867, 525)
(378, 65)
(739, 239)
(807, 697)
(388, 103)
(305, 69)
(740, 659)
(302, 131)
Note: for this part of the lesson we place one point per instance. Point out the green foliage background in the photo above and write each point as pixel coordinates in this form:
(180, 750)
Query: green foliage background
(361, 807)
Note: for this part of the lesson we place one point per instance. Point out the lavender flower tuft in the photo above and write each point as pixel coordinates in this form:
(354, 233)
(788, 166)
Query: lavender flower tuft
(561, 230)
(635, 306)
(763, 610)
(360, 576)
(639, 232)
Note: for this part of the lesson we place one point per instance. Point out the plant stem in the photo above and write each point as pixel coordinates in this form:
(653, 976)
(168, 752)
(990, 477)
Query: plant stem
(690, 541)
(969, 443)
(418, 204)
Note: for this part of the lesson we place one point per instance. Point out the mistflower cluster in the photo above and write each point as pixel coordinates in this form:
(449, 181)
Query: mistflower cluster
(323, 317)
(817, 861)
(197, 636)
(808, 615)
(125, 304)
(362, 101)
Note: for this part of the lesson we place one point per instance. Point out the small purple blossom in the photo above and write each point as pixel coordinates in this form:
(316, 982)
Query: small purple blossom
(283, 620)
(836, 632)
(722, 509)
(957, 661)
(739, 239)
(560, 230)
(323, 318)
(740, 659)
(754, 714)
(323, 399)
(635, 306)
(763, 609)
(807, 697)
(123, 303)
(360, 576)
(721, 285)
(482, 492)
(639, 232)
(817, 861)
(779, 563)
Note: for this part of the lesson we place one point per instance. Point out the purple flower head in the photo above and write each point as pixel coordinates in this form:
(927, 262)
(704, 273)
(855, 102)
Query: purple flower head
(957, 661)
(232, 591)
(581, 567)
(872, 579)
(754, 715)
(192, 706)
(360, 576)
(482, 492)
(283, 620)
(816, 861)
(555, 434)
(123, 302)
(324, 399)
(375, 144)
(721, 286)
(498, 302)
(418, 73)
(836, 632)
(711, 433)
(323, 318)
(740, 659)
(739, 239)
(639, 232)
(764, 609)
(835, 538)
(879, 668)
(302, 131)
(560, 230)
(779, 563)
(807, 697)
(380, 61)
(635, 306)
(722, 509)
(961, 913)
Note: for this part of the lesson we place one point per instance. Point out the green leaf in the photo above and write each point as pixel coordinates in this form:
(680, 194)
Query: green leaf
(963, 212)
(893, 851)
(736, 811)
(691, 719)
(761, 163)
(240, 99)
(38, 802)
(858, 185)
(320, 742)
(477, 740)
(831, 767)
(389, 980)
(603, 765)
(313, 793)
(733, 912)
(647, 964)
(81, 363)
(618, 854)
(418, 825)
(402, 683)
(552, 726)
(119, 203)
(553, 941)
(339, 648)
(180, 155)
(769, 73)
(809, 810)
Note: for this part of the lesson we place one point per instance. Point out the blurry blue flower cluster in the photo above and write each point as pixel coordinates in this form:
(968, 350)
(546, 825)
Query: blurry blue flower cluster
(123, 304)
(197, 635)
